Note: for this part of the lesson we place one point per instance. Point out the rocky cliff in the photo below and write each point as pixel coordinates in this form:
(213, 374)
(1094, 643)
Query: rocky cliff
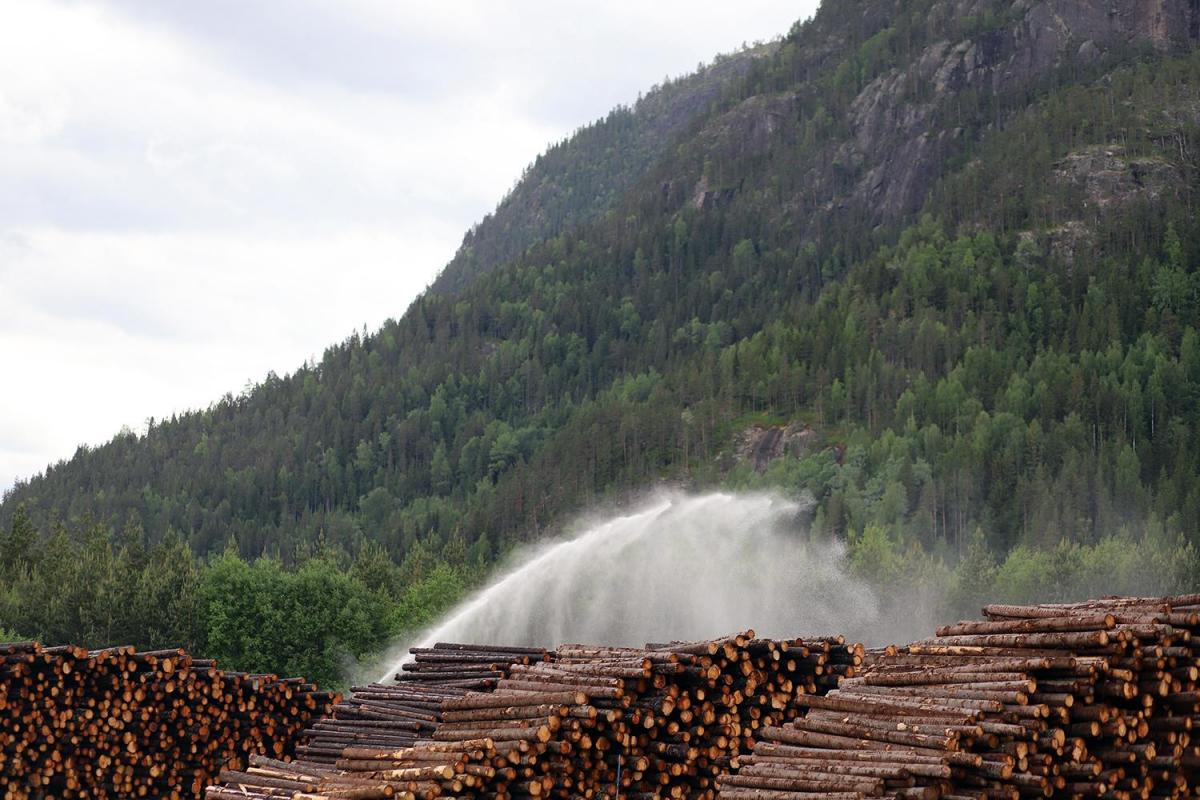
(905, 121)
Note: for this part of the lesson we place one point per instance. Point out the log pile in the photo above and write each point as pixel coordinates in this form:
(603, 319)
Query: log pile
(1087, 700)
(659, 721)
(1091, 701)
(398, 715)
(119, 723)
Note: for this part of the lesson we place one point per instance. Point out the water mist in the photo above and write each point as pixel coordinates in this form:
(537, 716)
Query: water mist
(676, 567)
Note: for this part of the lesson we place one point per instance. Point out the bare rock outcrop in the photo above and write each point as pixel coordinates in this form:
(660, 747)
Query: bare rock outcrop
(758, 446)
(1107, 177)
(900, 124)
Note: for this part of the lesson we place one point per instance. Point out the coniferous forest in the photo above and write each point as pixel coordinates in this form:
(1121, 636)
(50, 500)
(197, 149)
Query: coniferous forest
(981, 298)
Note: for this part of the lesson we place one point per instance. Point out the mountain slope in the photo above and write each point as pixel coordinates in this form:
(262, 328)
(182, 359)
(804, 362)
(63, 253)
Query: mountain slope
(955, 237)
(583, 176)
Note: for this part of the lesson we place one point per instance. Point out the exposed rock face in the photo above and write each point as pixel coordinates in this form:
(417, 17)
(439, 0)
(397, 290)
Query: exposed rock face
(899, 130)
(1107, 178)
(760, 445)
(1053, 26)
(893, 126)
(899, 136)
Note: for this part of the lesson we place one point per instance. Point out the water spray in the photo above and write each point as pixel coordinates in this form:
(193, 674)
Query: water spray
(675, 567)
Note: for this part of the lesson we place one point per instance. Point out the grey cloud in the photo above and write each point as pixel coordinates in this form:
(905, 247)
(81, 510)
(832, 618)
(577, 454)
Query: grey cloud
(304, 42)
(545, 44)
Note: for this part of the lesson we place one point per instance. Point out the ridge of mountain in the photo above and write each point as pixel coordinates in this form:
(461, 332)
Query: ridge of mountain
(584, 174)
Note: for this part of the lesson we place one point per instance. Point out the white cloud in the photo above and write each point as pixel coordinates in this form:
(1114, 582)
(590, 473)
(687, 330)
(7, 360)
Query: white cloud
(192, 194)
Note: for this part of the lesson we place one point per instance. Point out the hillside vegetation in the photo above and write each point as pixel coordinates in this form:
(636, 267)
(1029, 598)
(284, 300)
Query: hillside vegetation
(966, 260)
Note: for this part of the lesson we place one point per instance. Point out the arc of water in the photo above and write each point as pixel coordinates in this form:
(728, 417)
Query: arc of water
(678, 567)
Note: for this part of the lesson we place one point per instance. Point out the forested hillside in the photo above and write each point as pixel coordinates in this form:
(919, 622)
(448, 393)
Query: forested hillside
(585, 174)
(958, 239)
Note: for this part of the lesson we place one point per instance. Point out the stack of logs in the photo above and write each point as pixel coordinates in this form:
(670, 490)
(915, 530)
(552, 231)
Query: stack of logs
(400, 714)
(661, 721)
(119, 723)
(1092, 701)
(1088, 700)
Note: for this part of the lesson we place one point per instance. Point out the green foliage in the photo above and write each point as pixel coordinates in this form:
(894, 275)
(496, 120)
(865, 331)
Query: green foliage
(314, 619)
(16, 544)
(1117, 564)
(92, 587)
(310, 621)
(424, 601)
(873, 555)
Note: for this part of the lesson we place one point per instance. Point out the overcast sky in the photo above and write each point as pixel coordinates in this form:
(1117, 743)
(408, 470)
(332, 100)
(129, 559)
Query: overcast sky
(194, 193)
